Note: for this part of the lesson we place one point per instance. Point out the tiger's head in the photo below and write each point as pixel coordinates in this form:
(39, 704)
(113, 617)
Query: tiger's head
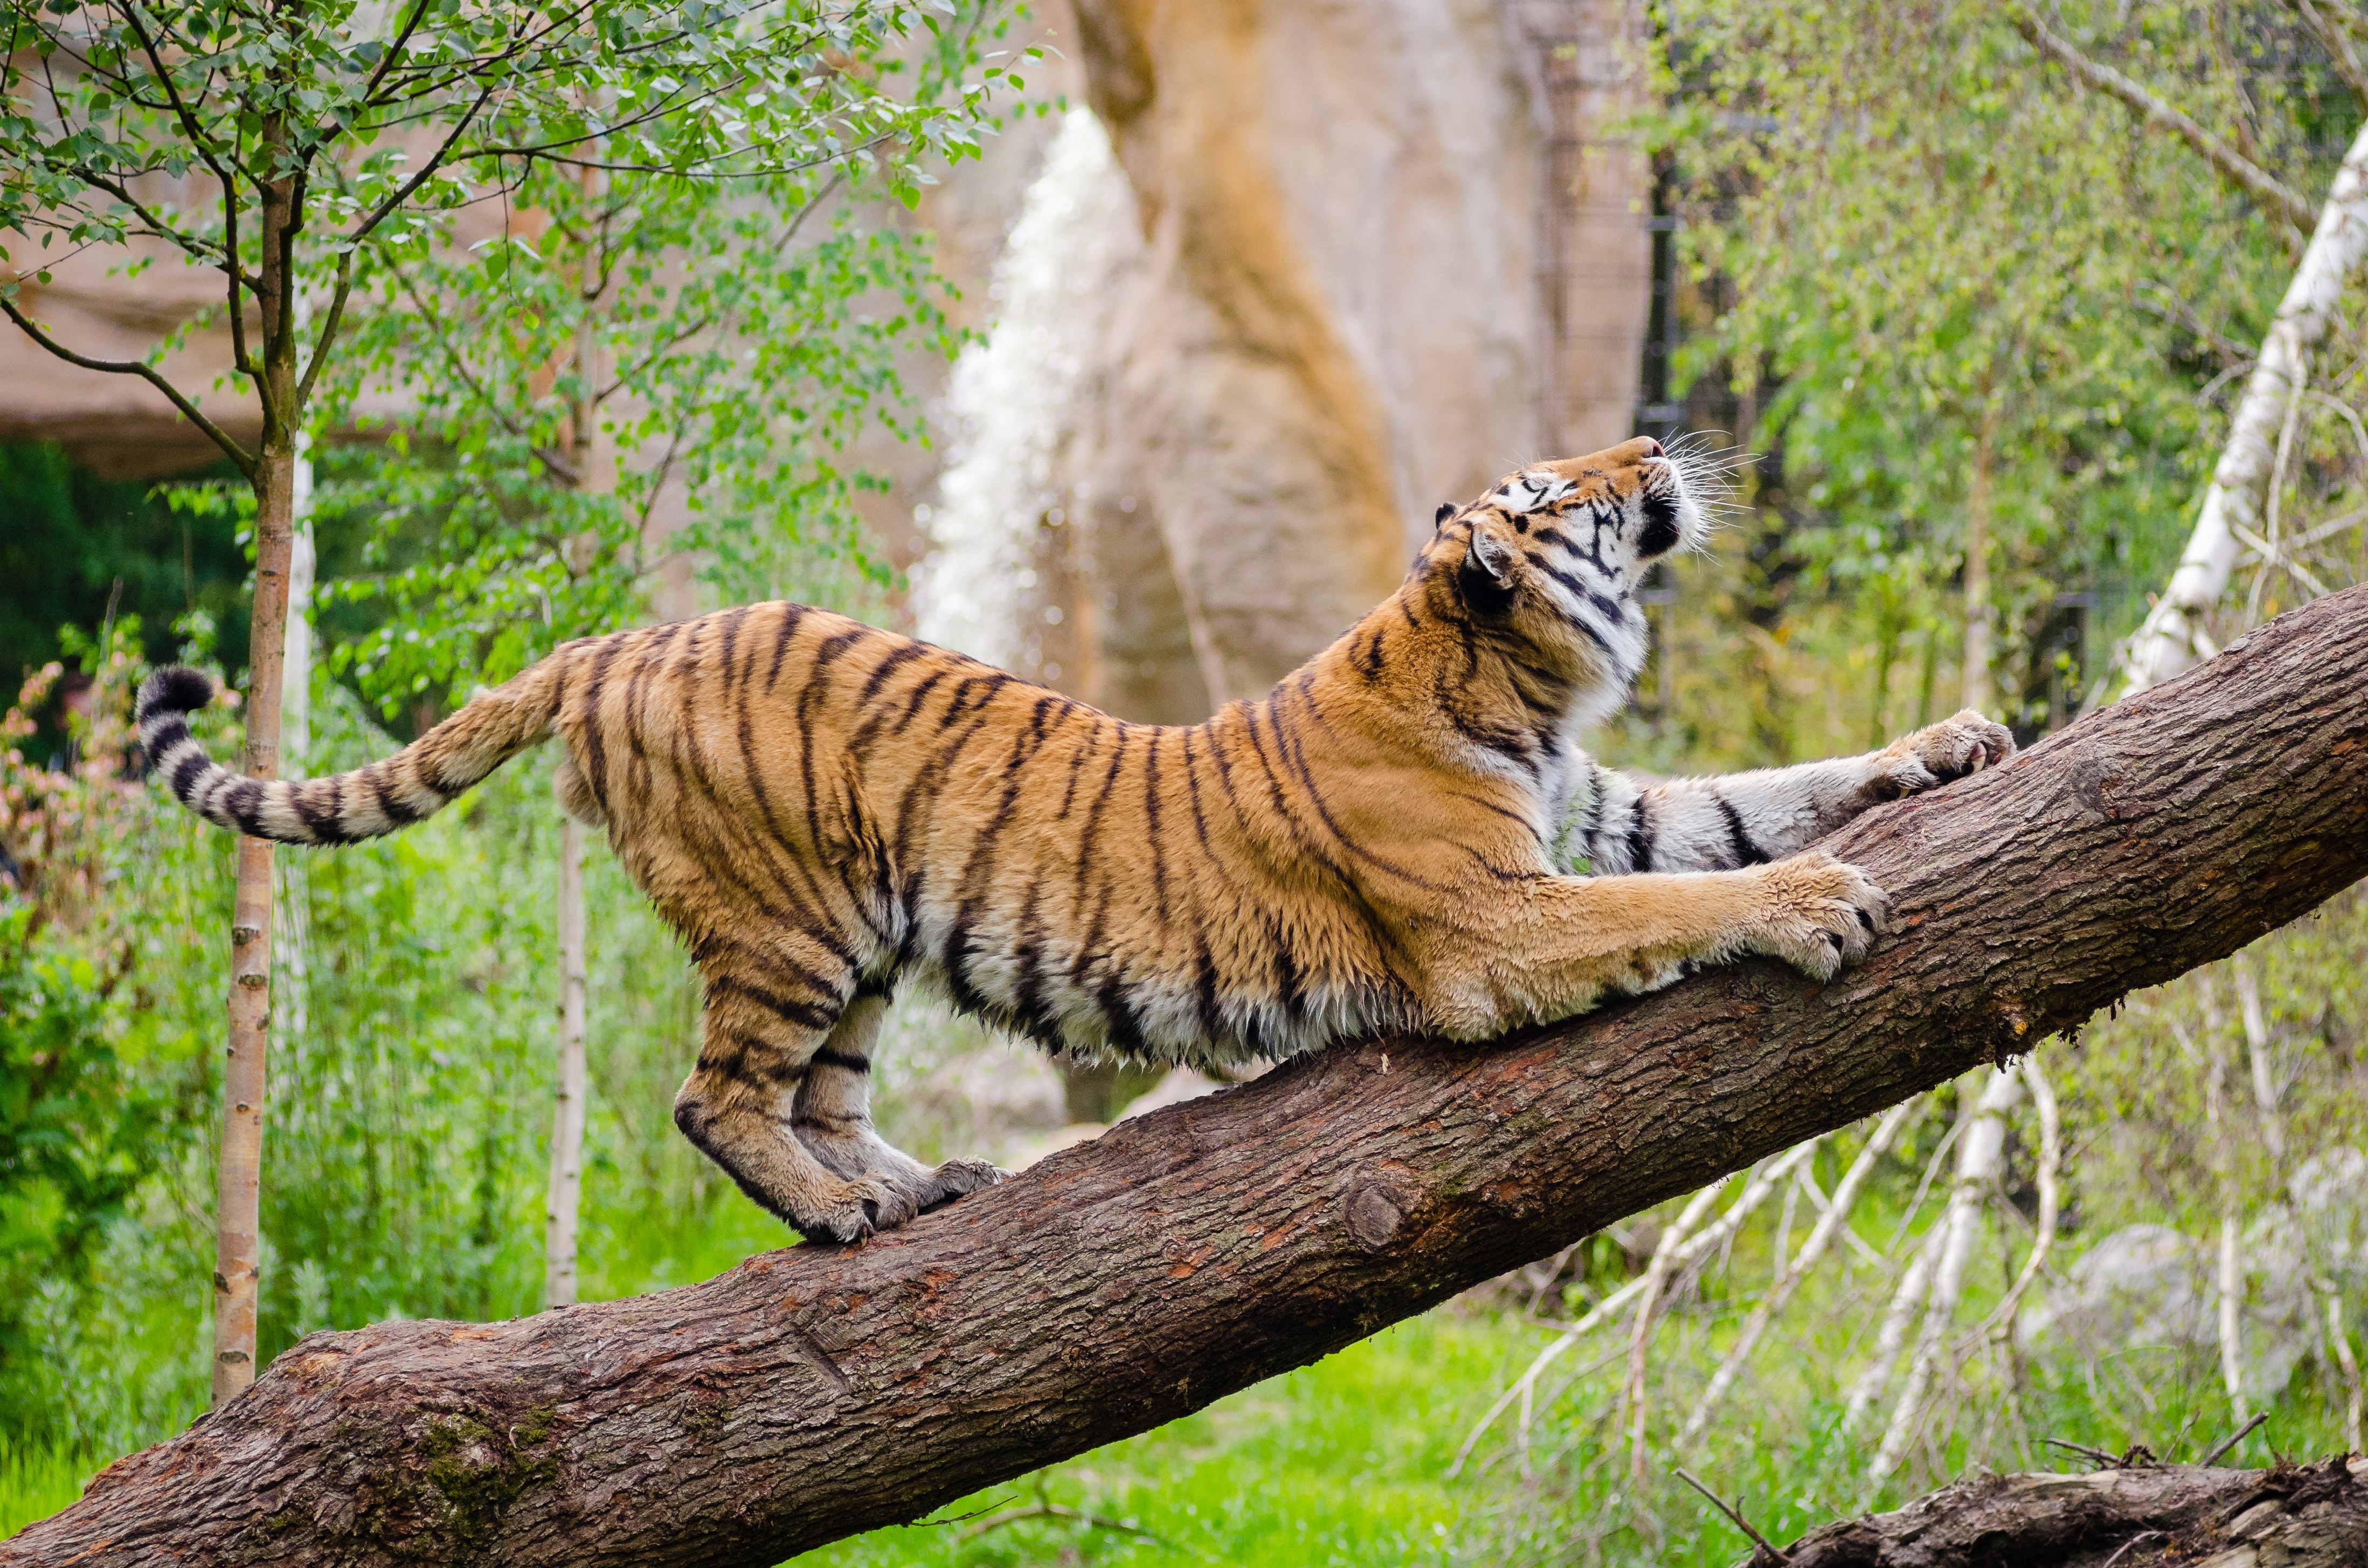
(1554, 553)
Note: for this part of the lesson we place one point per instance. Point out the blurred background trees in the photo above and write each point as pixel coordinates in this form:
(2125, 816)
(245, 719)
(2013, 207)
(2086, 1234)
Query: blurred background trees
(1144, 400)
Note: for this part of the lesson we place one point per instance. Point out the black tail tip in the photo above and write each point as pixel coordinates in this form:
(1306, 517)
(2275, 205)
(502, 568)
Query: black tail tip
(174, 689)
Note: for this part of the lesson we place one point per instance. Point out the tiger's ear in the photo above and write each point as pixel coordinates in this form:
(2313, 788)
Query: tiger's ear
(1487, 575)
(1446, 510)
(1490, 558)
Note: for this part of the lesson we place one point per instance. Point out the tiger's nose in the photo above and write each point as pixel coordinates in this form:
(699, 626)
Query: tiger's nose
(1652, 448)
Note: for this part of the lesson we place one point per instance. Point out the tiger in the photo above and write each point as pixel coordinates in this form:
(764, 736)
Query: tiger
(1405, 835)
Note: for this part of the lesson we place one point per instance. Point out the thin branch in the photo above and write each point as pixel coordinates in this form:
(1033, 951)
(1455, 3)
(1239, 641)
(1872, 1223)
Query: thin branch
(393, 52)
(2231, 1440)
(328, 333)
(2338, 48)
(236, 453)
(2240, 171)
(1057, 1511)
(189, 126)
(559, 468)
(1736, 1515)
(435, 161)
(2101, 1456)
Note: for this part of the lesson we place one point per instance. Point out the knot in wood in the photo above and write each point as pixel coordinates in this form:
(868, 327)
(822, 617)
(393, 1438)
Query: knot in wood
(1373, 1216)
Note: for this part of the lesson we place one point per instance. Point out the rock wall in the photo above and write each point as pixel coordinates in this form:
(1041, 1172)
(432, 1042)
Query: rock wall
(1384, 250)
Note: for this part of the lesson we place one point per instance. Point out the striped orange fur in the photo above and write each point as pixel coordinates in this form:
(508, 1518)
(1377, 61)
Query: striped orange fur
(826, 811)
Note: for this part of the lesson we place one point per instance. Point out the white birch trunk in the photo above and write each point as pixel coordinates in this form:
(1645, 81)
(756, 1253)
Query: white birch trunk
(2173, 635)
(1683, 1246)
(1834, 1220)
(567, 1121)
(2229, 1277)
(293, 1016)
(2051, 1160)
(1980, 1154)
(2266, 1093)
(596, 473)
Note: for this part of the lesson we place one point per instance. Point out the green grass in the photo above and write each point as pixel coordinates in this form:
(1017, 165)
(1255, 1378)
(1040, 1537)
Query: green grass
(37, 1480)
(1341, 1462)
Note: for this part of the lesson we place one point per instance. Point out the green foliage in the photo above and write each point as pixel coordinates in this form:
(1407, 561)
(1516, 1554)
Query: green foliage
(1947, 280)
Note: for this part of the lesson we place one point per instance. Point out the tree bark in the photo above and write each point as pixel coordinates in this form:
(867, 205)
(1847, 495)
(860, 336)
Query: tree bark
(2311, 1515)
(816, 1391)
(238, 1205)
(595, 474)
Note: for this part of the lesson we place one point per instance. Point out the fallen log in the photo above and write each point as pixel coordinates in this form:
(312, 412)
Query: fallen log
(814, 1392)
(2142, 1516)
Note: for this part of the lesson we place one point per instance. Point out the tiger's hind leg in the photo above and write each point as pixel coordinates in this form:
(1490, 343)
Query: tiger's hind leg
(778, 1099)
(768, 1013)
(832, 1116)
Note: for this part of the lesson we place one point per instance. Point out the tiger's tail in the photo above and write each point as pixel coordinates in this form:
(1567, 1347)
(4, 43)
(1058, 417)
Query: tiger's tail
(345, 808)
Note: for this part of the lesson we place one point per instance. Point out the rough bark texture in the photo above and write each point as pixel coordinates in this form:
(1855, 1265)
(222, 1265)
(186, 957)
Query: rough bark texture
(814, 1392)
(2295, 1516)
(238, 1203)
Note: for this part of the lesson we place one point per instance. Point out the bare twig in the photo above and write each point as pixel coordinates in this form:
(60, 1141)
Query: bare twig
(2255, 181)
(1736, 1515)
(2232, 1439)
(238, 455)
(1057, 1511)
(2131, 1545)
(2099, 1455)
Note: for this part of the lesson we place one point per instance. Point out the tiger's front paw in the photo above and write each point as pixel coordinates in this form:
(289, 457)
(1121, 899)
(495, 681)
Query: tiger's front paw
(850, 1211)
(959, 1178)
(1822, 914)
(1938, 753)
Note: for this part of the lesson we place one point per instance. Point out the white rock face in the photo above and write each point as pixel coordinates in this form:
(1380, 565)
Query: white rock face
(1012, 404)
(1373, 253)
(1358, 298)
(2151, 1287)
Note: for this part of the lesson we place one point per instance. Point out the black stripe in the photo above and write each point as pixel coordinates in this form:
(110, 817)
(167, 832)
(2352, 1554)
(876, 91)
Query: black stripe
(792, 615)
(810, 697)
(846, 1061)
(1151, 830)
(1193, 790)
(1747, 853)
(244, 800)
(188, 771)
(805, 1015)
(596, 769)
(1640, 838)
(929, 683)
(881, 672)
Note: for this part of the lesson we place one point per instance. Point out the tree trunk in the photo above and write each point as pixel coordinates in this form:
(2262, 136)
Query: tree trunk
(595, 474)
(816, 1391)
(2173, 636)
(2311, 1515)
(238, 1218)
(567, 1115)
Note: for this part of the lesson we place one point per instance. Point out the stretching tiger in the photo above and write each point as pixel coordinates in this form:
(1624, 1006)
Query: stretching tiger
(824, 810)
